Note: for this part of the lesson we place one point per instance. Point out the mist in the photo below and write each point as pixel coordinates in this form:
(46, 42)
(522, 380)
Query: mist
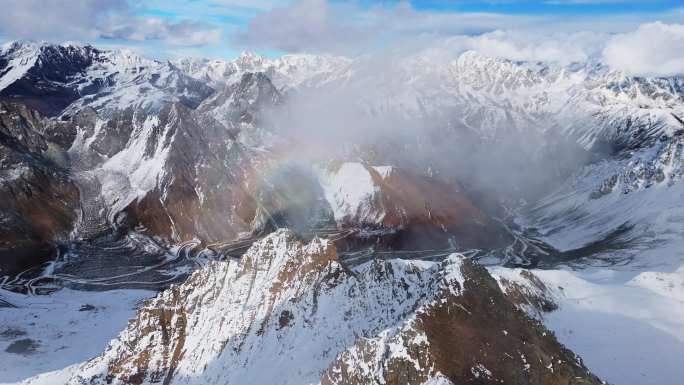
(412, 110)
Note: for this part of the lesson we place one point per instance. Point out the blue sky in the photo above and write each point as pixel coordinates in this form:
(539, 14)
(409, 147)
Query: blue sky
(223, 28)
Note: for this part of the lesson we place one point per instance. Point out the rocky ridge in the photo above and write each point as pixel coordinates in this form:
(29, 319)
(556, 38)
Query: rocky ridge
(396, 322)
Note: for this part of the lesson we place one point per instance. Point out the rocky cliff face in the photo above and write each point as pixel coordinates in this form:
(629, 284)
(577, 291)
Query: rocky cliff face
(38, 201)
(420, 209)
(290, 313)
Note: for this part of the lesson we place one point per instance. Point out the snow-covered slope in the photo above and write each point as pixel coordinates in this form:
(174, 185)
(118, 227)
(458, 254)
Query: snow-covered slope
(628, 327)
(61, 328)
(52, 78)
(623, 210)
(287, 71)
(17, 60)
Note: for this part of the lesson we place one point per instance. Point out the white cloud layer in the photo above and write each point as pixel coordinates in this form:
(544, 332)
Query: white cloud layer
(654, 49)
(321, 25)
(92, 19)
(563, 48)
(305, 25)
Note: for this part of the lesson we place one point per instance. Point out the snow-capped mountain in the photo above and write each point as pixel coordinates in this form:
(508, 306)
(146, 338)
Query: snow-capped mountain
(136, 163)
(140, 134)
(288, 71)
(52, 77)
(290, 313)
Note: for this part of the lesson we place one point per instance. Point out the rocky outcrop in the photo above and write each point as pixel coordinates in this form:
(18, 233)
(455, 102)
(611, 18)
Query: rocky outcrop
(199, 182)
(471, 333)
(421, 210)
(38, 201)
(176, 173)
(290, 313)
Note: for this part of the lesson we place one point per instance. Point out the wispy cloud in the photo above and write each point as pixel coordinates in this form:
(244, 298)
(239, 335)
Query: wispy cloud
(354, 27)
(320, 25)
(654, 49)
(88, 20)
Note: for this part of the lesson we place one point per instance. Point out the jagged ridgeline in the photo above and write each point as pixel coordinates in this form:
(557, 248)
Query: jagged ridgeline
(291, 313)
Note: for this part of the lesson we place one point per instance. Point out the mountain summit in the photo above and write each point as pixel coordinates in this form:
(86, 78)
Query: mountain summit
(290, 313)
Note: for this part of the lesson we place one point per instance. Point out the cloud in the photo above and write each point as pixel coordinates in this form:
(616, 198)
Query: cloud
(320, 25)
(87, 20)
(352, 28)
(306, 25)
(212, 27)
(182, 33)
(563, 48)
(654, 49)
(623, 43)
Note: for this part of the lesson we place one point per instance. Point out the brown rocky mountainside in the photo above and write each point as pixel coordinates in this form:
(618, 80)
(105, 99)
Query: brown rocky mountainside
(179, 175)
(38, 201)
(290, 313)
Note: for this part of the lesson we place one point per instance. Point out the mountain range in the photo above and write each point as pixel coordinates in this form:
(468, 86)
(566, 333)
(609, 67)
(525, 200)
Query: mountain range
(328, 217)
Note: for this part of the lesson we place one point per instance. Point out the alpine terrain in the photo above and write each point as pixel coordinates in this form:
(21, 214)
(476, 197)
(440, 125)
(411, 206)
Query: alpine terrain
(452, 218)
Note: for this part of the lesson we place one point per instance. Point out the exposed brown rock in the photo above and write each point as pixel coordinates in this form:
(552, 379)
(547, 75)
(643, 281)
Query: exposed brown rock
(534, 295)
(164, 318)
(38, 201)
(421, 203)
(476, 336)
(202, 193)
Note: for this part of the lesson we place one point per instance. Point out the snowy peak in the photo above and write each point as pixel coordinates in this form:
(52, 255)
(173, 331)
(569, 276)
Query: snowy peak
(55, 62)
(241, 102)
(285, 262)
(466, 334)
(288, 71)
(284, 302)
(481, 71)
(51, 77)
(249, 61)
(15, 59)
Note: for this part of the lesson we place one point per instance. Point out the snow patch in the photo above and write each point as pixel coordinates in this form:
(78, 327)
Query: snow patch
(628, 331)
(351, 192)
(67, 326)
